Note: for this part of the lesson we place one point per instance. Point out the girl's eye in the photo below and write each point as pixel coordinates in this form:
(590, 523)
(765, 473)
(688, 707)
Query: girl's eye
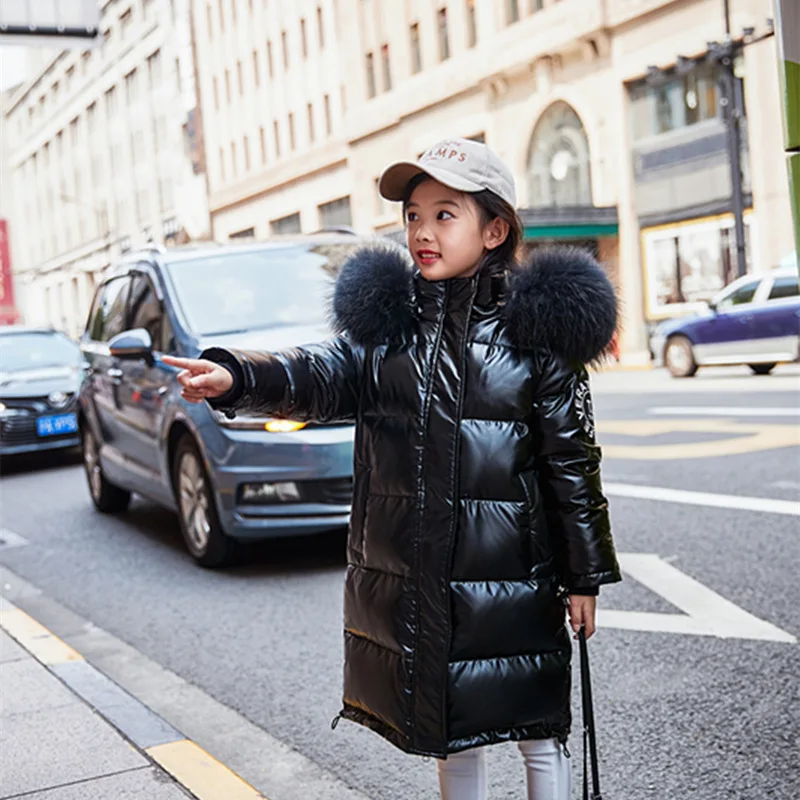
(411, 216)
(444, 215)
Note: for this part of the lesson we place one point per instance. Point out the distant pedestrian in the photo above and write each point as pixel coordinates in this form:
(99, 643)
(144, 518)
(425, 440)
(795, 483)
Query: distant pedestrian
(478, 514)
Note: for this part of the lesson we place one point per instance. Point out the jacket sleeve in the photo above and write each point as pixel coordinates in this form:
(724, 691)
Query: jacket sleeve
(569, 467)
(314, 383)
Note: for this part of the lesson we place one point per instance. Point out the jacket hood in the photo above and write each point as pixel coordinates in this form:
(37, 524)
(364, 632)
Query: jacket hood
(560, 301)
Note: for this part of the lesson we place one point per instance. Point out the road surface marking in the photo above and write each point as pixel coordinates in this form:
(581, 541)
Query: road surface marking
(747, 438)
(764, 504)
(705, 612)
(35, 638)
(724, 411)
(204, 776)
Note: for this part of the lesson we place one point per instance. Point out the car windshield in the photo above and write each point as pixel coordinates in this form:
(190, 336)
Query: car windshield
(24, 351)
(269, 287)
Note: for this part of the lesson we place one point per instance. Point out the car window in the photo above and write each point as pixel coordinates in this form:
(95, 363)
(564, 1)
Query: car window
(787, 286)
(261, 288)
(108, 313)
(744, 294)
(37, 350)
(145, 310)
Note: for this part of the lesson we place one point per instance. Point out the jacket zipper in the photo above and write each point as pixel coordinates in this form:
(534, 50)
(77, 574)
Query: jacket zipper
(426, 410)
(455, 488)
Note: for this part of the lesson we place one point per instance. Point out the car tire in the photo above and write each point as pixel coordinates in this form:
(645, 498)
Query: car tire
(679, 357)
(206, 541)
(762, 369)
(107, 498)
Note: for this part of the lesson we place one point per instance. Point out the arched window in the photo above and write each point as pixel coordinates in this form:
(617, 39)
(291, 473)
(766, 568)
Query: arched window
(558, 162)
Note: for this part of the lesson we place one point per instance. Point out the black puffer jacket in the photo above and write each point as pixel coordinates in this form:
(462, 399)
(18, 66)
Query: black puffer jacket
(477, 503)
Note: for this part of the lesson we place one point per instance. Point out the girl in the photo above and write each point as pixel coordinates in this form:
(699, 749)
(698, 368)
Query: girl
(478, 513)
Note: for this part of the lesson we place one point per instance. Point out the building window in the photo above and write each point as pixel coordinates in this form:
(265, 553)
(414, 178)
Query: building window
(246, 233)
(444, 35)
(233, 10)
(472, 24)
(678, 101)
(285, 48)
(537, 5)
(221, 16)
(227, 87)
(222, 164)
(559, 171)
(262, 138)
(111, 103)
(387, 68)
(256, 79)
(125, 22)
(276, 132)
(370, 67)
(335, 213)
(246, 149)
(303, 39)
(328, 122)
(70, 74)
(310, 110)
(512, 11)
(131, 87)
(234, 165)
(478, 137)
(240, 77)
(320, 28)
(286, 225)
(292, 141)
(216, 93)
(269, 59)
(154, 69)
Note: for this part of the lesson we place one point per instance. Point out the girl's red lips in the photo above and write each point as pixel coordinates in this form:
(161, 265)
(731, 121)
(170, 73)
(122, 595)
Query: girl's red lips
(428, 254)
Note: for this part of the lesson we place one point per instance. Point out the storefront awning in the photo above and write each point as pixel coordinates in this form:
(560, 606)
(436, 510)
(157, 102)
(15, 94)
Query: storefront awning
(563, 222)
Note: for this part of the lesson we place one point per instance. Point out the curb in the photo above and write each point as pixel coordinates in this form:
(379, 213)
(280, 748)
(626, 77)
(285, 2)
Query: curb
(192, 767)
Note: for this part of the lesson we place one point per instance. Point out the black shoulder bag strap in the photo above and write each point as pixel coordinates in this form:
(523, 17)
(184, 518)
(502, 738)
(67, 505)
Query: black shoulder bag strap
(589, 738)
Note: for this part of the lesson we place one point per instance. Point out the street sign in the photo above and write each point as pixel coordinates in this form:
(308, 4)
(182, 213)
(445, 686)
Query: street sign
(51, 23)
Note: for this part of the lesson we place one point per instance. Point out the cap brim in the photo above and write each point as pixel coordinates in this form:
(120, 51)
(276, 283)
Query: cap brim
(395, 179)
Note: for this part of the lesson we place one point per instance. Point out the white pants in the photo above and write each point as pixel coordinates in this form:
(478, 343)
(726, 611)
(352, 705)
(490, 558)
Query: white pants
(462, 776)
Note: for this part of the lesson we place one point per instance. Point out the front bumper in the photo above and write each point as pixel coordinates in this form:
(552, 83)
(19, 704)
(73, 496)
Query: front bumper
(318, 460)
(38, 447)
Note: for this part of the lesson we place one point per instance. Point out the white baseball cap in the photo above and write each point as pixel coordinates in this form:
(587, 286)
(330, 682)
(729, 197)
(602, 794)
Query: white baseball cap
(461, 164)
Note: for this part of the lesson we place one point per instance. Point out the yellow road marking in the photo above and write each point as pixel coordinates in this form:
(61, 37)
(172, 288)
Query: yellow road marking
(747, 438)
(36, 639)
(200, 773)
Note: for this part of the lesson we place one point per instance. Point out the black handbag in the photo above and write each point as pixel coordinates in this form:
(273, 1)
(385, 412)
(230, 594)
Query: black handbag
(589, 735)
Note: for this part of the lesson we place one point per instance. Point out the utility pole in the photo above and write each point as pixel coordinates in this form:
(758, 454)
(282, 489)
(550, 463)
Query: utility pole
(732, 111)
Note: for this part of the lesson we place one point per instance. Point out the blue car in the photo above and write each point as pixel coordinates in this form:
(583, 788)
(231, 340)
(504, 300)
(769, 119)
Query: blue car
(40, 372)
(754, 321)
(228, 479)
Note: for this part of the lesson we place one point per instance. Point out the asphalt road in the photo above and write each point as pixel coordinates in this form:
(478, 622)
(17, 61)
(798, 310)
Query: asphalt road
(679, 715)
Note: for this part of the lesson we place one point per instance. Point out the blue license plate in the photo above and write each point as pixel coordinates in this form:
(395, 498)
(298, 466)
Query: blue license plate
(57, 424)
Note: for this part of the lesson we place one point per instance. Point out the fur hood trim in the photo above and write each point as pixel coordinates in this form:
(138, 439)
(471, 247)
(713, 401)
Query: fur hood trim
(562, 301)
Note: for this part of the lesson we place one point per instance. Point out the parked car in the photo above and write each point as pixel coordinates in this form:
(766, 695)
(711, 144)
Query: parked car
(755, 321)
(228, 479)
(40, 372)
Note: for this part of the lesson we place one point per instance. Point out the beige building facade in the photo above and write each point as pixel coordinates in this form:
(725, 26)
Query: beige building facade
(104, 156)
(631, 166)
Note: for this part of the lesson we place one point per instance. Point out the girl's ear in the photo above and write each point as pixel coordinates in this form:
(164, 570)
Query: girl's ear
(495, 233)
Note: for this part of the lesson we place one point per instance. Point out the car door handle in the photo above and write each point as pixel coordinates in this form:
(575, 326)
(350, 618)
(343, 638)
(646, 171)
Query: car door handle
(114, 373)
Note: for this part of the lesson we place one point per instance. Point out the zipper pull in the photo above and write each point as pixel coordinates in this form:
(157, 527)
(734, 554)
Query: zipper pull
(335, 721)
(564, 747)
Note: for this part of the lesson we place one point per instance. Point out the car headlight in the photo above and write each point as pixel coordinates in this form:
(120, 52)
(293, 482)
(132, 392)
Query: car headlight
(248, 422)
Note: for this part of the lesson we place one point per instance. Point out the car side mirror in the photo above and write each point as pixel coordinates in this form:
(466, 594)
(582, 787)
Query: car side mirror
(132, 345)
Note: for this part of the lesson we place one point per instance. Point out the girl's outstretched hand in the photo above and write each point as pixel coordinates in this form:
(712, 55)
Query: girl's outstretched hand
(581, 612)
(200, 378)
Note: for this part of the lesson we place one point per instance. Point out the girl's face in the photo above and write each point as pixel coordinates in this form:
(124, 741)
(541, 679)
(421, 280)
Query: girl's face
(446, 235)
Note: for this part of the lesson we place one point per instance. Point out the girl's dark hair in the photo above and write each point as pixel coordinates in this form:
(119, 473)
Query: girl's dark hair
(504, 257)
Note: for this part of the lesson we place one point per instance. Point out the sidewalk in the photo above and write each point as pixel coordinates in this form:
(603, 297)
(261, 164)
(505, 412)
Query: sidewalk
(67, 732)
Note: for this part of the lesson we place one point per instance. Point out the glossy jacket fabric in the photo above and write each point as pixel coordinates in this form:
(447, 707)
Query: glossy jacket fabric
(477, 503)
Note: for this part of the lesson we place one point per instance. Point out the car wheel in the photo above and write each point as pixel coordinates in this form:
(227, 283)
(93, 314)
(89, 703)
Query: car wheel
(679, 357)
(106, 497)
(197, 511)
(762, 369)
